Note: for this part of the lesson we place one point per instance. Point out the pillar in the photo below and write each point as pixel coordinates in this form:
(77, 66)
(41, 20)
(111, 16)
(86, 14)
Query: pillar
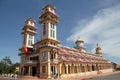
(56, 69)
(90, 68)
(98, 67)
(80, 68)
(70, 69)
(66, 65)
(56, 55)
(29, 70)
(74, 68)
(77, 68)
(49, 67)
(85, 67)
(95, 67)
(60, 68)
(23, 70)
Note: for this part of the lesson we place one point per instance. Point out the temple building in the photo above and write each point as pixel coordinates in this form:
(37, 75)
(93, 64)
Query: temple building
(46, 58)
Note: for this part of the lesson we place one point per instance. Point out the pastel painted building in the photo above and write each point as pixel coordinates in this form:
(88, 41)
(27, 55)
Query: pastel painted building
(46, 58)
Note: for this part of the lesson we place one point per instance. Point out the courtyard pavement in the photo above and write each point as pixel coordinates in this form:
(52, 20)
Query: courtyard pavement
(104, 76)
(108, 77)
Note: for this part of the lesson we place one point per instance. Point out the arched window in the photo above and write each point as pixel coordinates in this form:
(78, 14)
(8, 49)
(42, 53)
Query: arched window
(44, 29)
(30, 39)
(52, 30)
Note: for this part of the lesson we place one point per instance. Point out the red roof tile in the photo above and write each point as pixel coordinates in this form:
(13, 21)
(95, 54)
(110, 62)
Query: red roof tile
(67, 54)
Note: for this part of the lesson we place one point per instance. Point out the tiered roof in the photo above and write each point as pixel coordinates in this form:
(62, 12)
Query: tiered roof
(67, 54)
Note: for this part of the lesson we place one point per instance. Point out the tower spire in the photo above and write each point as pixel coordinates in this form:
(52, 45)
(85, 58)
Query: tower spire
(97, 45)
(49, 21)
(98, 50)
(29, 32)
(80, 45)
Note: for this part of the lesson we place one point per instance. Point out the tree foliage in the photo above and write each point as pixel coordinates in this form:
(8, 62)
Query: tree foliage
(7, 61)
(6, 66)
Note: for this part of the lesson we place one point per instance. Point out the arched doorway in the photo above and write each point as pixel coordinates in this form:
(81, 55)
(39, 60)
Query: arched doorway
(93, 68)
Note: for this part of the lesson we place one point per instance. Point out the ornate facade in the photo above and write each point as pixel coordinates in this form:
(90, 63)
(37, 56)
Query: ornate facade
(47, 58)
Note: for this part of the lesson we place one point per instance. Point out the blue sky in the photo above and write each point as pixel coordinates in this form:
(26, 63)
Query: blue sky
(95, 21)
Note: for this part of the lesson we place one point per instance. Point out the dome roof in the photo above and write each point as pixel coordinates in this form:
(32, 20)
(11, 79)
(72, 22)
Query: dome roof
(98, 47)
(79, 40)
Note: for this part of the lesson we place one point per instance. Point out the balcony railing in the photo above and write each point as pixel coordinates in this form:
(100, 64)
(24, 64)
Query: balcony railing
(31, 62)
(54, 60)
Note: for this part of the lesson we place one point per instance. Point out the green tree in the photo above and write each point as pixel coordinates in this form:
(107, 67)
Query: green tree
(15, 66)
(7, 67)
(2, 66)
(7, 61)
(6, 64)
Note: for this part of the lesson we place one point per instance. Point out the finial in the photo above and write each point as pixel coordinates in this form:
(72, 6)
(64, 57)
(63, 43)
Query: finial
(78, 37)
(49, 5)
(29, 19)
(97, 45)
(79, 40)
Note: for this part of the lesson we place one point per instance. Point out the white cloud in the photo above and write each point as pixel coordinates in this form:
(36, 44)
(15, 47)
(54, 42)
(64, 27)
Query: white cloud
(103, 28)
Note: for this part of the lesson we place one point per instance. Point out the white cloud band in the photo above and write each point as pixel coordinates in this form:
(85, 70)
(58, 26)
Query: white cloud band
(103, 28)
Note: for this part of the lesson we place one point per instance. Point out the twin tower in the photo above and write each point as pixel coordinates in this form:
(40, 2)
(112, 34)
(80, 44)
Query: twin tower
(48, 22)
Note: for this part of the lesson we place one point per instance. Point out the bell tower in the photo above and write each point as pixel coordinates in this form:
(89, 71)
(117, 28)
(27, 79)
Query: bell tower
(49, 21)
(29, 31)
(98, 51)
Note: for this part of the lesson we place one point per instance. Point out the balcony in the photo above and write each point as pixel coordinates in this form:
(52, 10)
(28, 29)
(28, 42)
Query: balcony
(31, 62)
(55, 60)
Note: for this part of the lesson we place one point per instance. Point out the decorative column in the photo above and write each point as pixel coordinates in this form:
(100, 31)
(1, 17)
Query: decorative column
(102, 66)
(80, 68)
(29, 70)
(85, 67)
(49, 67)
(23, 70)
(95, 67)
(98, 67)
(90, 67)
(77, 68)
(60, 69)
(70, 68)
(56, 69)
(66, 65)
(73, 68)
(56, 55)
